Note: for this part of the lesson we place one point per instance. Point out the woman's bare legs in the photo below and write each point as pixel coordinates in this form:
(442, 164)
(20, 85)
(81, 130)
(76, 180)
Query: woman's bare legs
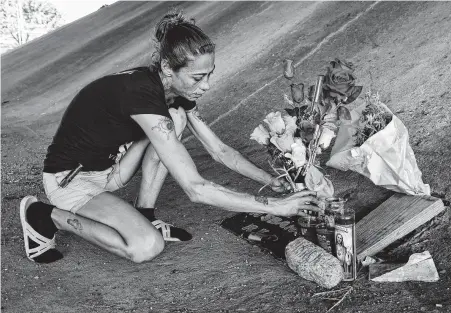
(112, 223)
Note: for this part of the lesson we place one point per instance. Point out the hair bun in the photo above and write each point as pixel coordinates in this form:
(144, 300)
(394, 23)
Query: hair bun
(168, 22)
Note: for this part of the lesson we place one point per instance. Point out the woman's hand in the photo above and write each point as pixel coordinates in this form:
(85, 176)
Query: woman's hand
(280, 185)
(295, 203)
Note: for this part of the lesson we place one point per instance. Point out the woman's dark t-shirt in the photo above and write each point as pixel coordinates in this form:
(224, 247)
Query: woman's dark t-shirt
(98, 120)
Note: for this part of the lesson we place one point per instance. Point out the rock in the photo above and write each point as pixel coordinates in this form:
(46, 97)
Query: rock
(420, 267)
(313, 263)
(377, 270)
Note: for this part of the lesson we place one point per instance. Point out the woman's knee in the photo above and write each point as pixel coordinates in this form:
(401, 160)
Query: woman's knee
(146, 249)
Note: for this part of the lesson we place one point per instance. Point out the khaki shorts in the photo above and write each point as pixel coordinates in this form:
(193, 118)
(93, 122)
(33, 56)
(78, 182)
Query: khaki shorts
(84, 187)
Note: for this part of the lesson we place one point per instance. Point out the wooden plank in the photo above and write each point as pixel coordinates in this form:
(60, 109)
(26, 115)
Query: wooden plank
(392, 220)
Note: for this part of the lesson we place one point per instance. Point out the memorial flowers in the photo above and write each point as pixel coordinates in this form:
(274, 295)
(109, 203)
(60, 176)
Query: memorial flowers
(375, 143)
(369, 140)
(295, 137)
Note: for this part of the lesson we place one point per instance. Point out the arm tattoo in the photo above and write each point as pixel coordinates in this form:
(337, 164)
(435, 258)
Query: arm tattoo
(198, 117)
(75, 224)
(165, 125)
(262, 199)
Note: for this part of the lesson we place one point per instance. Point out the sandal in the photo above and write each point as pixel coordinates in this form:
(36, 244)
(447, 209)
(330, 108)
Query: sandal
(44, 244)
(165, 230)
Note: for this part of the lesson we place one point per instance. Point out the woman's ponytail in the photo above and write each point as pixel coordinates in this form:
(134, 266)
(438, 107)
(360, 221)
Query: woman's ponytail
(178, 39)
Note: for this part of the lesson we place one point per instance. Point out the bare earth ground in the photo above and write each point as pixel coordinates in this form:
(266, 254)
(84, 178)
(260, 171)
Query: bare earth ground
(401, 49)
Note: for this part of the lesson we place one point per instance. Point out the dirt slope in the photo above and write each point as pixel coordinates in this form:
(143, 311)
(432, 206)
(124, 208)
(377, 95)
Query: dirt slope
(400, 48)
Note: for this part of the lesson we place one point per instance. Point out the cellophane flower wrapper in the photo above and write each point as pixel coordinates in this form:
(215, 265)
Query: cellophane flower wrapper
(386, 157)
(315, 180)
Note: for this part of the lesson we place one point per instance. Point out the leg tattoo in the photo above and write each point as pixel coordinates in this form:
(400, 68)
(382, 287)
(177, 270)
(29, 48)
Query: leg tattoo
(75, 224)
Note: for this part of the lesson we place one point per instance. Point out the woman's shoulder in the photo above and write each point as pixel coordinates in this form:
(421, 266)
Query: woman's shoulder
(140, 77)
(142, 92)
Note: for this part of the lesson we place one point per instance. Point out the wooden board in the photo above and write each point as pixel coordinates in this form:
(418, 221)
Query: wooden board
(392, 220)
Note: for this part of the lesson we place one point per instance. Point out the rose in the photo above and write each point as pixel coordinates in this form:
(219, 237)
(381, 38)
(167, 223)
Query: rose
(297, 92)
(290, 124)
(298, 153)
(261, 135)
(275, 123)
(288, 69)
(339, 78)
(307, 130)
(281, 134)
(339, 82)
(283, 142)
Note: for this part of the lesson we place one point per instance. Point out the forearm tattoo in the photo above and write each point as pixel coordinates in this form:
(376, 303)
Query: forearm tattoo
(75, 224)
(262, 199)
(165, 125)
(198, 117)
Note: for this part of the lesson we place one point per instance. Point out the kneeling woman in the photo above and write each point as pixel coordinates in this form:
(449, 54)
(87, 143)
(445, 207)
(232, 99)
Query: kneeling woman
(149, 107)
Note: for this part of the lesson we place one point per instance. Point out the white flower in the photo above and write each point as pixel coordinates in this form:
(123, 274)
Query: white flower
(275, 123)
(283, 142)
(298, 153)
(261, 135)
(326, 137)
(290, 124)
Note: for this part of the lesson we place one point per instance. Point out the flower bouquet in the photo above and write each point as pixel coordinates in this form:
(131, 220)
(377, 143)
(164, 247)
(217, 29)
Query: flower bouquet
(375, 143)
(295, 138)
